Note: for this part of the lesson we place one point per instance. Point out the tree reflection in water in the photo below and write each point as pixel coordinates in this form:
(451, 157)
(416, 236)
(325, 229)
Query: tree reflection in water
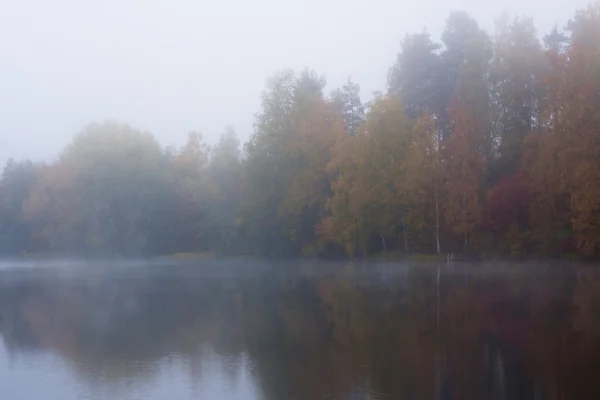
(319, 332)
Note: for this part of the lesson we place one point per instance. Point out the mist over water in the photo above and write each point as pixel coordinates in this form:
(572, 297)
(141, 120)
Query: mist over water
(249, 330)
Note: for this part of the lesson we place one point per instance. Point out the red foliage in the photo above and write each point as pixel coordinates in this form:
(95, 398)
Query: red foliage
(508, 202)
(319, 228)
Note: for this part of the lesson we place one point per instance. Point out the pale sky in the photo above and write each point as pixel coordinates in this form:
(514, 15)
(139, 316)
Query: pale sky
(173, 66)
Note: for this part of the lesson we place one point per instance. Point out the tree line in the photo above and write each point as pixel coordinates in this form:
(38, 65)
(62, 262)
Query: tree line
(482, 143)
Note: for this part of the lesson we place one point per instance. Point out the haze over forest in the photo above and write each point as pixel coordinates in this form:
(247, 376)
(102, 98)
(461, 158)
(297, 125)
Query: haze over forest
(171, 67)
(482, 142)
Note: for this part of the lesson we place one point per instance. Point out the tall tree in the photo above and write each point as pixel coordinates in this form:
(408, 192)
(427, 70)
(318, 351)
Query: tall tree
(581, 113)
(348, 104)
(464, 160)
(414, 76)
(550, 213)
(277, 153)
(515, 75)
(460, 30)
(368, 201)
(303, 204)
(192, 195)
(264, 183)
(225, 177)
(423, 184)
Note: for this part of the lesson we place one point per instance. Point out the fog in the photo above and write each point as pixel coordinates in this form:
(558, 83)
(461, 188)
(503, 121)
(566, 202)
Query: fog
(172, 67)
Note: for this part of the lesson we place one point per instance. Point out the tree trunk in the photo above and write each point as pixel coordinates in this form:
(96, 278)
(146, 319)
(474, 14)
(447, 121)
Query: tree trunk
(437, 222)
(405, 238)
(464, 212)
(383, 243)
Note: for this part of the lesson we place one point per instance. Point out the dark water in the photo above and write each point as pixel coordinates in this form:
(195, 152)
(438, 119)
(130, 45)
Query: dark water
(321, 331)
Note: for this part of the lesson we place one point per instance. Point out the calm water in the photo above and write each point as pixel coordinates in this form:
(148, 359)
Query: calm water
(320, 331)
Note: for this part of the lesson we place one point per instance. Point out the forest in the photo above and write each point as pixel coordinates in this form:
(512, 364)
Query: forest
(482, 143)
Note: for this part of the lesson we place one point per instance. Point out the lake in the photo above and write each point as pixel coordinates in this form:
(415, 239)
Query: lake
(302, 330)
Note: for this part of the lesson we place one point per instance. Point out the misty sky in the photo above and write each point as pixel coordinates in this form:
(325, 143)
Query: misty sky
(172, 66)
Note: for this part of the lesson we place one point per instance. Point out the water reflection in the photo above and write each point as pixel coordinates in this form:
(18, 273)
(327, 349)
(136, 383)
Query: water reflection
(301, 332)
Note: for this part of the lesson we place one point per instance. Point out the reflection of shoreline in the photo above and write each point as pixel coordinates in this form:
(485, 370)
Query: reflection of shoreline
(111, 334)
(315, 333)
(216, 377)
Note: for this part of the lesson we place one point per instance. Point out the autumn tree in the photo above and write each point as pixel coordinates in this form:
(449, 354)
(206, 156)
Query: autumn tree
(102, 193)
(506, 214)
(303, 205)
(423, 184)
(464, 161)
(286, 183)
(581, 114)
(369, 198)
(549, 209)
(339, 226)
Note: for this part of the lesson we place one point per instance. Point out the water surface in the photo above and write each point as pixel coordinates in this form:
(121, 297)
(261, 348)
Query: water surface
(229, 330)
